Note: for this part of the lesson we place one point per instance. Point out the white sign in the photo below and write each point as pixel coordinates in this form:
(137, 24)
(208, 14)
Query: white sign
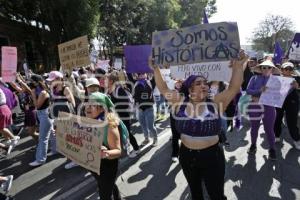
(276, 92)
(103, 64)
(212, 71)
(118, 63)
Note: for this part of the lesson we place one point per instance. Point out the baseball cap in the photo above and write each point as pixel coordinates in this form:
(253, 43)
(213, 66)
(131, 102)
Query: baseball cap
(287, 64)
(91, 81)
(54, 75)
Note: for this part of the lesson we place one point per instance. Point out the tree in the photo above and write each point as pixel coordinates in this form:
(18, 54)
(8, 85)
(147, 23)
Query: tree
(273, 28)
(191, 12)
(63, 20)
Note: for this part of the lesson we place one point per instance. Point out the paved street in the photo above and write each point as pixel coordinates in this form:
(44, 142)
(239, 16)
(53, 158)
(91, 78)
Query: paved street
(152, 175)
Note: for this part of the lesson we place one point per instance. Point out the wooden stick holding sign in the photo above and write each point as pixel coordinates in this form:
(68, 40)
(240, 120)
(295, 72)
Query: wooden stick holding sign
(80, 139)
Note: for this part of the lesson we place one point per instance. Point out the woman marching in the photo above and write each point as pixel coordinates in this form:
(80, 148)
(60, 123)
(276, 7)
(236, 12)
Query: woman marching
(258, 112)
(99, 107)
(290, 108)
(197, 119)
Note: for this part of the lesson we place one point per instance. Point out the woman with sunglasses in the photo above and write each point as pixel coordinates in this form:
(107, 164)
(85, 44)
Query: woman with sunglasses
(258, 112)
(198, 121)
(290, 108)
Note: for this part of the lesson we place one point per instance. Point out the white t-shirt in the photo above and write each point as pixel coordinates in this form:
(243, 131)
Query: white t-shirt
(2, 97)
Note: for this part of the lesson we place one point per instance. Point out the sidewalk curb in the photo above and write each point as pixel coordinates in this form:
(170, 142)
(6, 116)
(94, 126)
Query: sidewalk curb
(83, 188)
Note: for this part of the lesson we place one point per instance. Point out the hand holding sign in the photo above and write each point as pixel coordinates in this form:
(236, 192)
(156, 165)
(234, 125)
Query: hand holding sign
(241, 61)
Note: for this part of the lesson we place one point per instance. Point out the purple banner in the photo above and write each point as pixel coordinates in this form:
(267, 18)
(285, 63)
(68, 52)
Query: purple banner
(137, 58)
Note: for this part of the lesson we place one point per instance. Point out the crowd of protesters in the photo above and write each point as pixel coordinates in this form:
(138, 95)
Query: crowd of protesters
(197, 109)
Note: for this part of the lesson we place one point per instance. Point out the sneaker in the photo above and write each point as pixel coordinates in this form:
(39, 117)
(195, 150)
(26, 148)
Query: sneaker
(36, 163)
(174, 159)
(277, 139)
(145, 142)
(297, 144)
(155, 142)
(52, 153)
(15, 141)
(9, 149)
(7, 184)
(252, 149)
(272, 154)
(70, 165)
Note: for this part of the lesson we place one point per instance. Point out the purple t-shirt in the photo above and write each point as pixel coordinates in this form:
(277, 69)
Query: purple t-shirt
(11, 101)
(255, 84)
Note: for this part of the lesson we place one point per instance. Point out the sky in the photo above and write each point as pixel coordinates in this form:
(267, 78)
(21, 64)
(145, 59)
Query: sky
(249, 13)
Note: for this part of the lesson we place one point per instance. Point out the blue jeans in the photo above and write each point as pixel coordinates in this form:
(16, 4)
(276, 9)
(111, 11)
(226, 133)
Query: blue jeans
(160, 104)
(44, 134)
(146, 119)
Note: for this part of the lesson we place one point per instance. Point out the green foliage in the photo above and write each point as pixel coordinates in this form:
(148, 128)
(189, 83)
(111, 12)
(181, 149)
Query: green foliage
(272, 29)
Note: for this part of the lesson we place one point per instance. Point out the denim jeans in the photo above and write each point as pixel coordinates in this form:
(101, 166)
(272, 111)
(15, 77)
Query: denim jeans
(45, 134)
(146, 119)
(160, 104)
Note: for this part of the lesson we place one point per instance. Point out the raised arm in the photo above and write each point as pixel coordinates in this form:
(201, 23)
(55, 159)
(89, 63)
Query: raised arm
(171, 96)
(224, 98)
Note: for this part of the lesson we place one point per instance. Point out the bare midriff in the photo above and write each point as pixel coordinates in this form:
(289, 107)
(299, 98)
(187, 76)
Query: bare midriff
(199, 142)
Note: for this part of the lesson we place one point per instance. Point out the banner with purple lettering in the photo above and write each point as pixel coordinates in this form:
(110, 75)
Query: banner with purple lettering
(80, 139)
(196, 44)
(294, 50)
(137, 58)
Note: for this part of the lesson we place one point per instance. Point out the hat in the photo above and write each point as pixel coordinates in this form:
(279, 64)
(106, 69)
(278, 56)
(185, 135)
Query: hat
(36, 78)
(102, 99)
(54, 75)
(91, 81)
(268, 63)
(287, 64)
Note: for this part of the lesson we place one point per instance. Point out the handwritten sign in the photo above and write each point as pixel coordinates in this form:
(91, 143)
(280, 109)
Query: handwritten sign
(9, 64)
(277, 90)
(212, 71)
(80, 139)
(137, 57)
(74, 53)
(196, 44)
(294, 50)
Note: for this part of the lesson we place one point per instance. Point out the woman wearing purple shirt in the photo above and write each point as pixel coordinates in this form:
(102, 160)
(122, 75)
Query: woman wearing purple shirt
(256, 111)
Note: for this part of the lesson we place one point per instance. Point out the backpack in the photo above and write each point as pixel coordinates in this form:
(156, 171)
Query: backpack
(124, 137)
(130, 99)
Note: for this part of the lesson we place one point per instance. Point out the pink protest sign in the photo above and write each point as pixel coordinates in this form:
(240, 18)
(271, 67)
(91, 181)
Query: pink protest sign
(9, 64)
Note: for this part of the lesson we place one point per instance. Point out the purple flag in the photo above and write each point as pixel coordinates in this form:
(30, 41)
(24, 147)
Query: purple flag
(205, 19)
(294, 50)
(137, 58)
(278, 54)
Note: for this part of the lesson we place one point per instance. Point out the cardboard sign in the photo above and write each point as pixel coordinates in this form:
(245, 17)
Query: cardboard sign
(80, 139)
(9, 64)
(196, 44)
(277, 90)
(212, 71)
(294, 50)
(74, 53)
(137, 58)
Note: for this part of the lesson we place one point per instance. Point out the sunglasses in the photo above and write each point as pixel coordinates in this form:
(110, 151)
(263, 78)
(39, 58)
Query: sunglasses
(288, 69)
(265, 67)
